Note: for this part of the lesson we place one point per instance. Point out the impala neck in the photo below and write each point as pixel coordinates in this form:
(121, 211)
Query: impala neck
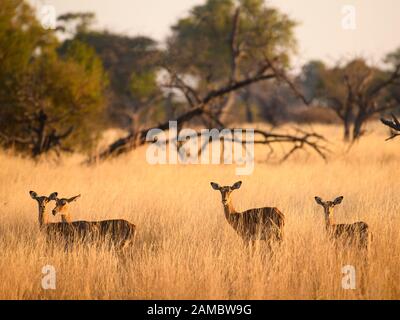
(43, 217)
(228, 209)
(65, 214)
(328, 219)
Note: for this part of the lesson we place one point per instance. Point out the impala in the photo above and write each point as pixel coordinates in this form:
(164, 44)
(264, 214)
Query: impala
(117, 232)
(254, 224)
(52, 231)
(357, 233)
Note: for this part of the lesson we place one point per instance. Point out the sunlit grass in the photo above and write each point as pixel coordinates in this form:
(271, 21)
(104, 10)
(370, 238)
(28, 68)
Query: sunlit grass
(184, 247)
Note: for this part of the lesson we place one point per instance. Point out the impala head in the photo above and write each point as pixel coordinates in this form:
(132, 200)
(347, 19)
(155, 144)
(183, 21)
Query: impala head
(226, 190)
(328, 205)
(62, 204)
(42, 200)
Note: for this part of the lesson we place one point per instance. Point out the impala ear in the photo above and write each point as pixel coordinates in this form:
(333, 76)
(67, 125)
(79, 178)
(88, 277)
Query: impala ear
(33, 194)
(319, 201)
(53, 196)
(73, 198)
(215, 186)
(338, 200)
(236, 185)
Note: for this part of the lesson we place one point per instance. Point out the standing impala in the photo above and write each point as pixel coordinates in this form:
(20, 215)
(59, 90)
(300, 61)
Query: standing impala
(349, 234)
(253, 224)
(52, 231)
(117, 232)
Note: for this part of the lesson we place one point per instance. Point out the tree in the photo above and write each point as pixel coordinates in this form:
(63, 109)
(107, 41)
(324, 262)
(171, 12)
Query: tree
(132, 64)
(226, 39)
(393, 60)
(355, 92)
(48, 102)
(216, 52)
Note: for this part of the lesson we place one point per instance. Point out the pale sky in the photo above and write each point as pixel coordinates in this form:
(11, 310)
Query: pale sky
(320, 34)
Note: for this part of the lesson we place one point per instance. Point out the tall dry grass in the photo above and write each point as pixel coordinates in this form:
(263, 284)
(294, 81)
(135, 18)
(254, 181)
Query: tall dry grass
(185, 249)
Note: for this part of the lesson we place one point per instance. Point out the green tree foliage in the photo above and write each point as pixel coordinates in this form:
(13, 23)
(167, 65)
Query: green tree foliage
(73, 23)
(45, 98)
(393, 58)
(131, 63)
(143, 84)
(21, 38)
(80, 94)
(201, 43)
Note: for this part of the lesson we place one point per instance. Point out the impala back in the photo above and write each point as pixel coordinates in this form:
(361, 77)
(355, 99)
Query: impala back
(261, 224)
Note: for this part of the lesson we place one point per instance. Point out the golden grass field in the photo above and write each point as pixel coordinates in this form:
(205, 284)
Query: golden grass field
(185, 249)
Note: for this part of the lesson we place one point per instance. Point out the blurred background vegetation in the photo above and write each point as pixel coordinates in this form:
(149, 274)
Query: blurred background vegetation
(60, 89)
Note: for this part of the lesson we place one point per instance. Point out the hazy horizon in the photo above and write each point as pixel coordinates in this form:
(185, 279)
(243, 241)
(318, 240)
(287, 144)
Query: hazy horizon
(320, 34)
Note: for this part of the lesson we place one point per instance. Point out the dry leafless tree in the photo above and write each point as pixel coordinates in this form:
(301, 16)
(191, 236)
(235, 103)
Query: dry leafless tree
(394, 125)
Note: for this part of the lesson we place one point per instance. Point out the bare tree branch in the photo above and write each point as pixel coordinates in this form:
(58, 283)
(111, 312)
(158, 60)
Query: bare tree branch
(177, 83)
(302, 140)
(281, 75)
(393, 77)
(393, 124)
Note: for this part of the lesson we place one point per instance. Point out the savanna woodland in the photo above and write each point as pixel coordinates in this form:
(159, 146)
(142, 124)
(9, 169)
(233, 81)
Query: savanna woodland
(77, 104)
